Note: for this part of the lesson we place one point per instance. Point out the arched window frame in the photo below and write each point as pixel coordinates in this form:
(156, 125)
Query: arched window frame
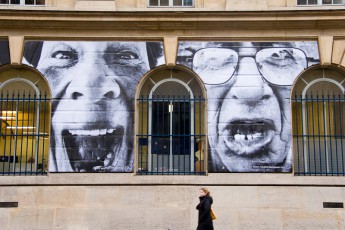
(309, 165)
(191, 122)
(185, 84)
(23, 158)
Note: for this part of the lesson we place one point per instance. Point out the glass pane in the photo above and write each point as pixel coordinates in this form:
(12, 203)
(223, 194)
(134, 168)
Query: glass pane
(285, 63)
(153, 3)
(171, 88)
(177, 3)
(24, 130)
(188, 2)
(181, 128)
(302, 2)
(215, 65)
(164, 3)
(161, 127)
(4, 1)
(179, 113)
(312, 2)
(331, 108)
(324, 88)
(29, 2)
(15, 1)
(326, 2)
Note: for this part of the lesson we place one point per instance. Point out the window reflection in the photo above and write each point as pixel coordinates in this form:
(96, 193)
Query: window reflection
(171, 3)
(23, 2)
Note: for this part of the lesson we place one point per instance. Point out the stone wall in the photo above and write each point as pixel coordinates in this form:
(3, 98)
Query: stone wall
(170, 207)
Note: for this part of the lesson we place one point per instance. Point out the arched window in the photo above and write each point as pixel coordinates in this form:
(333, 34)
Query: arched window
(171, 124)
(25, 121)
(319, 123)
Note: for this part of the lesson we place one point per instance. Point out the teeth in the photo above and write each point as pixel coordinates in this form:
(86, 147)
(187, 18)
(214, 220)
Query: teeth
(102, 131)
(257, 135)
(93, 132)
(242, 137)
(239, 137)
(248, 130)
(93, 150)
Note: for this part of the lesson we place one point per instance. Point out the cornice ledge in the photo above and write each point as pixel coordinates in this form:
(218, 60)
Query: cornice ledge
(182, 15)
(171, 20)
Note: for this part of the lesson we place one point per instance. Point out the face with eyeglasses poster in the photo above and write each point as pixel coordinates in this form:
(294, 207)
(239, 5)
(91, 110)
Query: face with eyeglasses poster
(248, 88)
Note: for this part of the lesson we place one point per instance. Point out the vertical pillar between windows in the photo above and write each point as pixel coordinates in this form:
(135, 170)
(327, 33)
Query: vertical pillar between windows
(16, 44)
(325, 48)
(170, 49)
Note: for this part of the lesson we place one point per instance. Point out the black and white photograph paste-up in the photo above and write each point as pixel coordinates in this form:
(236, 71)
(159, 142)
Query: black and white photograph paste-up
(4, 53)
(93, 86)
(248, 89)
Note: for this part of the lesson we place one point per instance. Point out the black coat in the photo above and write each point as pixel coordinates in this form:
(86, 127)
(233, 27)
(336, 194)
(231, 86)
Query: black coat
(205, 219)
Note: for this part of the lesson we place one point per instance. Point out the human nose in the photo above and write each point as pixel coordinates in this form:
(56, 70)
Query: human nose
(249, 86)
(93, 81)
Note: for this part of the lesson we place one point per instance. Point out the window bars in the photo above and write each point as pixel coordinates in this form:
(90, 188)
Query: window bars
(171, 3)
(319, 2)
(24, 140)
(170, 139)
(318, 134)
(23, 2)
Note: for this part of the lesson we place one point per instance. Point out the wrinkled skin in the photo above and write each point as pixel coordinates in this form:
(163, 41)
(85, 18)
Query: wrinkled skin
(92, 121)
(249, 128)
(250, 122)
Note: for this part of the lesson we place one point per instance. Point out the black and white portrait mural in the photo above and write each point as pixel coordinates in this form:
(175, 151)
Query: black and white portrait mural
(248, 87)
(4, 53)
(93, 86)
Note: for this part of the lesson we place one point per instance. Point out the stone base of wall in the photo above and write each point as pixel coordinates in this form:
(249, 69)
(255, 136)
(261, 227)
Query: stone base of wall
(170, 207)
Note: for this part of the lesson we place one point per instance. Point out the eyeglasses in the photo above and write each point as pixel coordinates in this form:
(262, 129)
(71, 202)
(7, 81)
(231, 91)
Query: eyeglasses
(279, 66)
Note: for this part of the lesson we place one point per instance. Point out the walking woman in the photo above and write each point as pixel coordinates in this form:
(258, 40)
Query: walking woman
(204, 207)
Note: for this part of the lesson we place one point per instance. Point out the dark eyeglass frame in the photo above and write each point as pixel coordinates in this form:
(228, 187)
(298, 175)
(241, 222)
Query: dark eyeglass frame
(254, 56)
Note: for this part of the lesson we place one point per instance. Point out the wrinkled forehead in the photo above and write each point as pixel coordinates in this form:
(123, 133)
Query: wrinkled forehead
(94, 47)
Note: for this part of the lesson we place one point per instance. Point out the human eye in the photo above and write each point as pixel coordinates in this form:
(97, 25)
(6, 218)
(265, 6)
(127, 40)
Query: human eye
(281, 58)
(122, 56)
(281, 65)
(64, 56)
(215, 58)
(125, 55)
(215, 65)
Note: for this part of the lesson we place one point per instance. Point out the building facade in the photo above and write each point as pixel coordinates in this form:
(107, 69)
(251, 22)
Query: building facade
(114, 113)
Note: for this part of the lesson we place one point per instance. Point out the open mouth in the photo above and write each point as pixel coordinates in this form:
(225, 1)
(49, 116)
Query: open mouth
(246, 137)
(249, 130)
(93, 150)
